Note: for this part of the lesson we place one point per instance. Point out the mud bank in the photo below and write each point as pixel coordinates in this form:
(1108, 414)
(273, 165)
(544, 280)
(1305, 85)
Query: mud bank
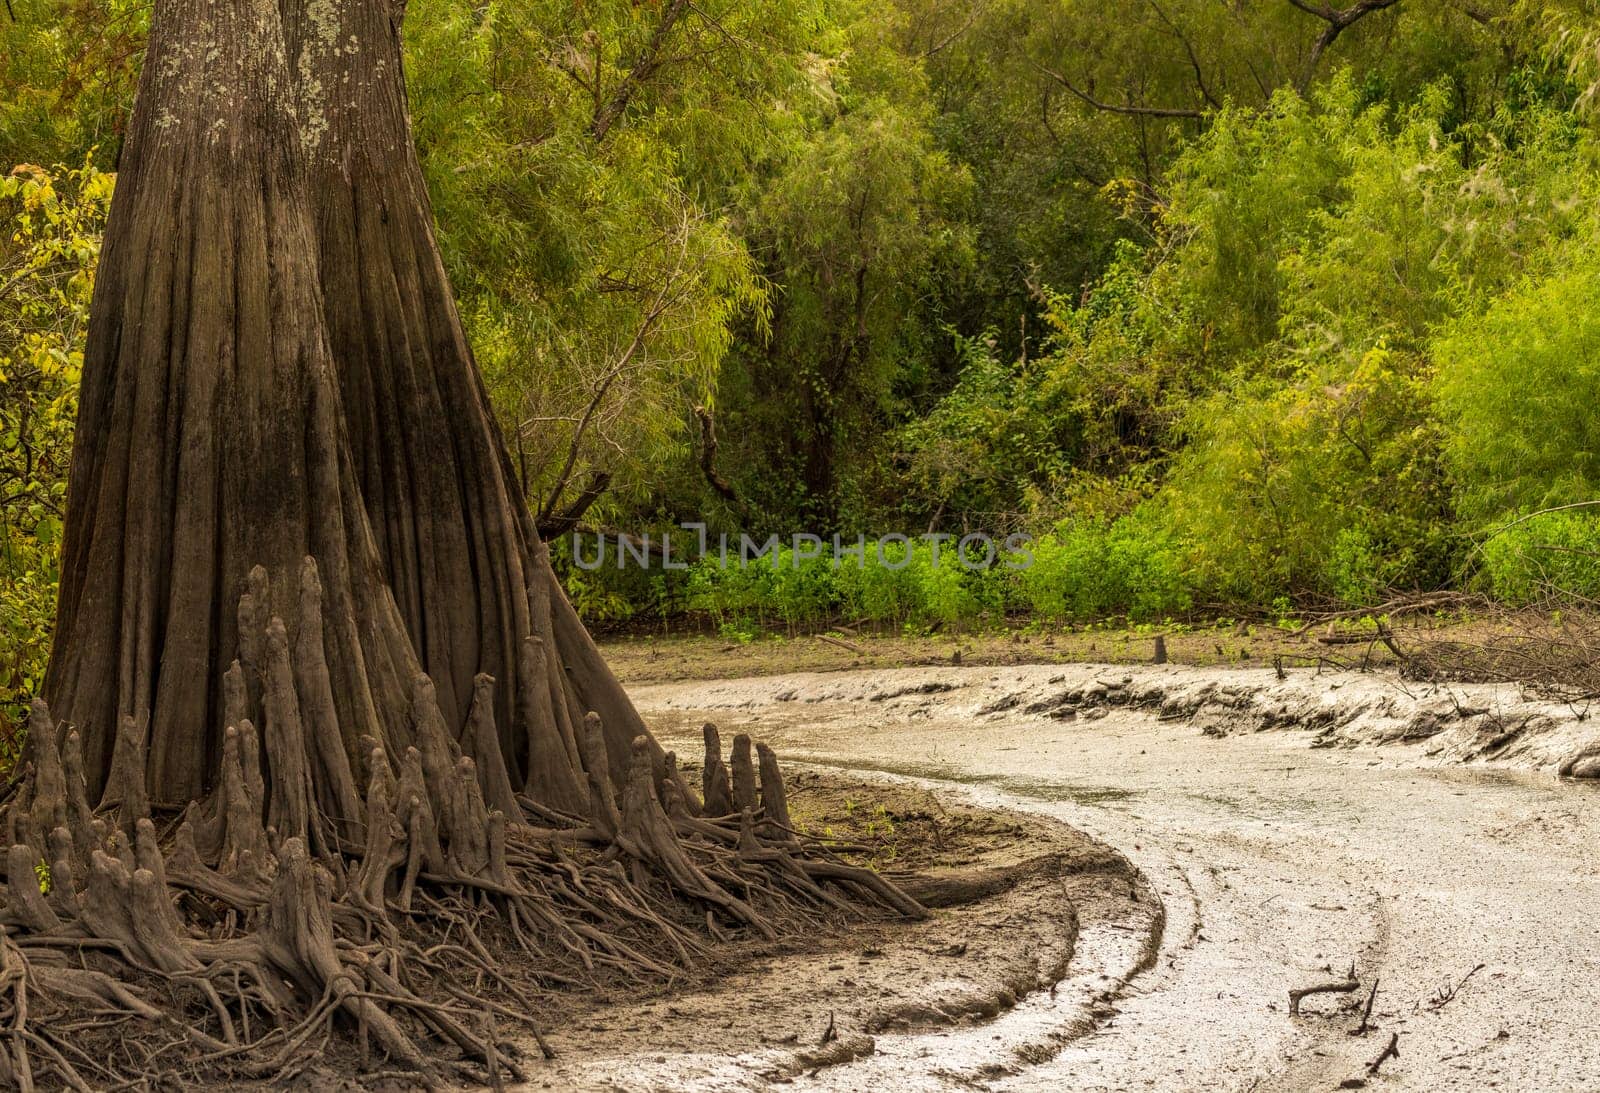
(1035, 926)
(1462, 894)
(1449, 723)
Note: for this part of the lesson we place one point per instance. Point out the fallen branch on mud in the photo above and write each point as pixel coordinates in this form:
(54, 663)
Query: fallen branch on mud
(1392, 1051)
(1445, 994)
(1343, 986)
(1398, 607)
(1366, 1014)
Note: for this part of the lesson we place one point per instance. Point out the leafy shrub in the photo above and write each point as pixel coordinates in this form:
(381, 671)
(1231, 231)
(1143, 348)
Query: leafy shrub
(1550, 555)
(1090, 569)
(1354, 569)
(906, 586)
(772, 589)
(1517, 388)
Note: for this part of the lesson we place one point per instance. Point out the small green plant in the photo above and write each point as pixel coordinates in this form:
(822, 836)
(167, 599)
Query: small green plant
(741, 631)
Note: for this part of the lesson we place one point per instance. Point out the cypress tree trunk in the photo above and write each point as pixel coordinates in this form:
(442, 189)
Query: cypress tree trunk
(287, 499)
(198, 458)
(458, 543)
(210, 436)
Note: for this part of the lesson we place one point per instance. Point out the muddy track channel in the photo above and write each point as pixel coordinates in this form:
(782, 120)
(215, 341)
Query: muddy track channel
(1268, 862)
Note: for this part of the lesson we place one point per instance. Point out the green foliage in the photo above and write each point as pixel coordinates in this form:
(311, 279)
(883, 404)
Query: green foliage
(577, 183)
(67, 74)
(1547, 556)
(1011, 442)
(1087, 569)
(1317, 466)
(905, 586)
(50, 225)
(1281, 483)
(861, 227)
(1213, 325)
(1517, 387)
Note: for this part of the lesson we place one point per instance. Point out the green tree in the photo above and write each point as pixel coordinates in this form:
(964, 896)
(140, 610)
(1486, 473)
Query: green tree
(860, 228)
(50, 227)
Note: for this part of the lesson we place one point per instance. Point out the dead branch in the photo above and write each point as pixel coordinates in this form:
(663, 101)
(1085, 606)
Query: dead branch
(1366, 1013)
(1343, 986)
(1129, 110)
(552, 527)
(1447, 993)
(644, 68)
(1392, 1051)
(841, 643)
(708, 455)
(1338, 22)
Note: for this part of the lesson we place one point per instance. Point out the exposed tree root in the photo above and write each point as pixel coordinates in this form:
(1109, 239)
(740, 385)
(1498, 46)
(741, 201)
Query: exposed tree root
(286, 912)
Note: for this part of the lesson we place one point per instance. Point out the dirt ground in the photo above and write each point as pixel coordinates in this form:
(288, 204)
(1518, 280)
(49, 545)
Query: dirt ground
(826, 1001)
(668, 657)
(1297, 830)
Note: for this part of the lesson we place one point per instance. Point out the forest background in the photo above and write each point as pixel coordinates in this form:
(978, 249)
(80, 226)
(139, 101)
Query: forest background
(1233, 307)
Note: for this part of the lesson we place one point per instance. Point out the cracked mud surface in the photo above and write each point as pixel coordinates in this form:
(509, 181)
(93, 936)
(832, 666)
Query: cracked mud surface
(1278, 863)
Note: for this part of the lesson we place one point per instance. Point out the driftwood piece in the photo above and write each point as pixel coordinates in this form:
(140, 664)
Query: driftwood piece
(1390, 1051)
(1342, 986)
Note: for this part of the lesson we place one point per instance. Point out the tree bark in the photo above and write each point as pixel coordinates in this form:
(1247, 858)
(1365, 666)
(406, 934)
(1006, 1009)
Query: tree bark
(210, 436)
(456, 538)
(271, 378)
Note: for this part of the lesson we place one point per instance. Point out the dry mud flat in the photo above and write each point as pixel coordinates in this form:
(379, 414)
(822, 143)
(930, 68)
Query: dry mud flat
(1420, 835)
(1024, 907)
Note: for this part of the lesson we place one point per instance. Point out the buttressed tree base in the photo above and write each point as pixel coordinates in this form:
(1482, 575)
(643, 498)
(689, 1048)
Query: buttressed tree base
(324, 737)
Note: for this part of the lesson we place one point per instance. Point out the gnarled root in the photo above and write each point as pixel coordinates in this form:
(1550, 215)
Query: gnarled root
(287, 908)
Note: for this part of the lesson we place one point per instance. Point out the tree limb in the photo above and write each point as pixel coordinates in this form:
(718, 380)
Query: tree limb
(1113, 108)
(1338, 22)
(668, 296)
(958, 33)
(567, 519)
(1188, 49)
(606, 116)
(708, 455)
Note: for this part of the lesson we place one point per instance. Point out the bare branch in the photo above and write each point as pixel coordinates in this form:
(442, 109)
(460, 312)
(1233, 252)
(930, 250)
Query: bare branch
(674, 287)
(708, 455)
(1114, 108)
(567, 519)
(955, 35)
(1338, 22)
(1188, 49)
(643, 69)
